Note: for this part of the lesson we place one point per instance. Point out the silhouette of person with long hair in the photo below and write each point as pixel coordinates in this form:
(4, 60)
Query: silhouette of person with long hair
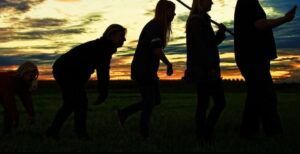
(255, 48)
(203, 66)
(149, 52)
(72, 72)
(19, 83)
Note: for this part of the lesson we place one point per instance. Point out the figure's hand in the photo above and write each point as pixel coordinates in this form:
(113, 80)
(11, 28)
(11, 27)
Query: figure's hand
(170, 70)
(290, 16)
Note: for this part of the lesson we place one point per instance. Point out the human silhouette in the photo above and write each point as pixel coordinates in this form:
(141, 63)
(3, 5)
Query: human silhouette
(203, 67)
(19, 83)
(72, 72)
(149, 52)
(255, 48)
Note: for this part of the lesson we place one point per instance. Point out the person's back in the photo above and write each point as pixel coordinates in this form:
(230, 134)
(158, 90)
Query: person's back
(144, 69)
(250, 42)
(81, 61)
(202, 47)
(145, 63)
(203, 67)
(72, 72)
(255, 49)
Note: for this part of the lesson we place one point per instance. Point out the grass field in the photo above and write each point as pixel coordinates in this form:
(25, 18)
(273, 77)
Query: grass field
(172, 123)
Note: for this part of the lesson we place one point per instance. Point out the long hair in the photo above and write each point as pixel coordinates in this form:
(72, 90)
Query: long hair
(161, 16)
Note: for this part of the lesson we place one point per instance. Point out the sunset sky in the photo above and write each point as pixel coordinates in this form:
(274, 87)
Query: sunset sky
(42, 30)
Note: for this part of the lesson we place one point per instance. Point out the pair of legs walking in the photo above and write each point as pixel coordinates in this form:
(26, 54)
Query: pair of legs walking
(75, 101)
(150, 98)
(261, 103)
(205, 121)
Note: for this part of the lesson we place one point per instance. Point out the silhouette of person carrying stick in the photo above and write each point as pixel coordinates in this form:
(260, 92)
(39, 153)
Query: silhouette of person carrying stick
(72, 72)
(203, 66)
(19, 83)
(255, 48)
(149, 52)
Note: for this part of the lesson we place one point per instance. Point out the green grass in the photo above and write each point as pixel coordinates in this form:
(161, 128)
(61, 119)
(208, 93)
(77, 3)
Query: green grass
(172, 124)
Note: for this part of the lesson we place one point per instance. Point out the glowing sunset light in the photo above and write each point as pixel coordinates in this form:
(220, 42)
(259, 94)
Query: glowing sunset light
(42, 30)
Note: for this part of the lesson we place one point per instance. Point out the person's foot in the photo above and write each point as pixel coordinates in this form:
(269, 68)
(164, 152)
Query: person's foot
(122, 118)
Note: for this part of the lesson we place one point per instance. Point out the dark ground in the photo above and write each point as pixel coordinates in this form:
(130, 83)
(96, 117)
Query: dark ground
(172, 123)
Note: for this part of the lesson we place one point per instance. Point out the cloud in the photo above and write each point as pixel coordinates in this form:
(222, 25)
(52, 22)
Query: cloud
(68, 1)
(43, 28)
(19, 6)
(91, 18)
(6, 34)
(43, 23)
(45, 34)
(182, 17)
(40, 59)
(150, 12)
(51, 27)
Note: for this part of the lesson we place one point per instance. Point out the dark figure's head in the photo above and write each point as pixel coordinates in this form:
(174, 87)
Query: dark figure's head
(117, 34)
(164, 15)
(165, 11)
(202, 5)
(29, 73)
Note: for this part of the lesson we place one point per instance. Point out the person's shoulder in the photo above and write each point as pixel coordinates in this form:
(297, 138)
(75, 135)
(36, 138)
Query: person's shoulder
(199, 17)
(152, 26)
(196, 19)
(152, 23)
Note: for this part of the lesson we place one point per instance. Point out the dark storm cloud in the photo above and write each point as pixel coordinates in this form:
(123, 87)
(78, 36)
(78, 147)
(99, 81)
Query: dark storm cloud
(19, 6)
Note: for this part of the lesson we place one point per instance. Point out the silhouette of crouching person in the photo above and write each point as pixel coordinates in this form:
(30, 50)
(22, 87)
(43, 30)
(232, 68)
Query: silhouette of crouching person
(72, 72)
(19, 83)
